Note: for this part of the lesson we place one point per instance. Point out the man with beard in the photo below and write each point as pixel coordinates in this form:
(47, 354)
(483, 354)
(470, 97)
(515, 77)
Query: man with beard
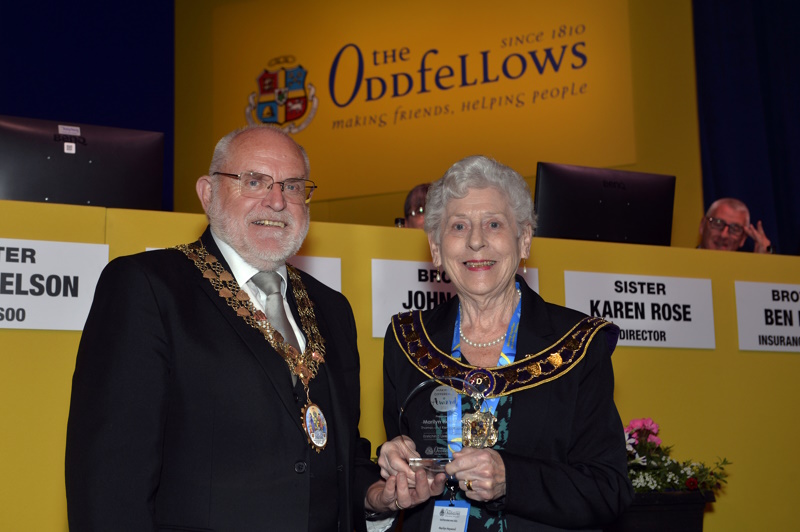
(199, 405)
(727, 225)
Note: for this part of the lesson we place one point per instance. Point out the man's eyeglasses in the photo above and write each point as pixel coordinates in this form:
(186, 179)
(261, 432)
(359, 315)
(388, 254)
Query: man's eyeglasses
(718, 224)
(419, 211)
(257, 186)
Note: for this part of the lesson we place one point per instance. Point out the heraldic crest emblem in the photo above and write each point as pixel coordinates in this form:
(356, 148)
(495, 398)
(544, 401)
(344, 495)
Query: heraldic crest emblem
(283, 98)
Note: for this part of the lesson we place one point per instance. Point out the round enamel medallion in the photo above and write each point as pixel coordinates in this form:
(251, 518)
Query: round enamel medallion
(481, 379)
(316, 426)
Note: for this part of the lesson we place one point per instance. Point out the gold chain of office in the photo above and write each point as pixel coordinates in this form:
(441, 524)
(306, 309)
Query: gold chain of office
(304, 365)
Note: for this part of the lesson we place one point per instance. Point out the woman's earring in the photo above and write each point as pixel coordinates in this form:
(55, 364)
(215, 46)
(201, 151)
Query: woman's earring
(438, 276)
(524, 265)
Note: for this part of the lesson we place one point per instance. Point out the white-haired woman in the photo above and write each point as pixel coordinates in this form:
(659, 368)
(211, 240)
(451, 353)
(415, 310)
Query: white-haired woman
(557, 456)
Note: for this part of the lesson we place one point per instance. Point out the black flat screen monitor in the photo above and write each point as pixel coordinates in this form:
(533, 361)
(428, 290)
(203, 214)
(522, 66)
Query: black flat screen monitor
(67, 162)
(582, 203)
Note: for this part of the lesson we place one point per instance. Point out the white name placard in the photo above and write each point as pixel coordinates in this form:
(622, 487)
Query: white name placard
(650, 311)
(327, 270)
(768, 315)
(402, 285)
(48, 285)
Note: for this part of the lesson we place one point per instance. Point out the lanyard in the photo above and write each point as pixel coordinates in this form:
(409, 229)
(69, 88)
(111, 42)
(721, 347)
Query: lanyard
(507, 355)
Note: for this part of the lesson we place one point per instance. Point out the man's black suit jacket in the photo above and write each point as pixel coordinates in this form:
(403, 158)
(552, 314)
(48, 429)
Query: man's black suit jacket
(183, 417)
(565, 459)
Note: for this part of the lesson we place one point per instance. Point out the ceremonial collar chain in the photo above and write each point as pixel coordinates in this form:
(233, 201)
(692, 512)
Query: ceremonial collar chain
(304, 365)
(526, 372)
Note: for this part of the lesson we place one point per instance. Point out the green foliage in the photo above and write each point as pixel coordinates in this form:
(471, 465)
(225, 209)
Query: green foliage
(651, 468)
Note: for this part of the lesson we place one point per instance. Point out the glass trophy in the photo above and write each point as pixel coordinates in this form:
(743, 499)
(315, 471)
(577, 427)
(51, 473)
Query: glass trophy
(424, 419)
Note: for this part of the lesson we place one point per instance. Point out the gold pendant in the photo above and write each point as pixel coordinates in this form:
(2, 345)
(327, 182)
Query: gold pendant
(315, 425)
(478, 430)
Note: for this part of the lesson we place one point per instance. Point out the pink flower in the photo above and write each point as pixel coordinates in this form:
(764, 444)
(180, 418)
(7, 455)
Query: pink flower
(654, 439)
(634, 425)
(650, 425)
(645, 423)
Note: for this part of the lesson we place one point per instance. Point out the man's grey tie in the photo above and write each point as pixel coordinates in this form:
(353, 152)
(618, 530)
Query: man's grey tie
(270, 284)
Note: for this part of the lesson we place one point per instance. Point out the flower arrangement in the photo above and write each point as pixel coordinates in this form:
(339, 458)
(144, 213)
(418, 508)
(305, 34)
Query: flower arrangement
(651, 468)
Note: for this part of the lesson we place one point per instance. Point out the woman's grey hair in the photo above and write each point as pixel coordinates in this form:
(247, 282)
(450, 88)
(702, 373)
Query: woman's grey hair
(222, 150)
(478, 171)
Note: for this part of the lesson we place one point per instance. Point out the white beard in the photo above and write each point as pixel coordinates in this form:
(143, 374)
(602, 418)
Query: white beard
(225, 227)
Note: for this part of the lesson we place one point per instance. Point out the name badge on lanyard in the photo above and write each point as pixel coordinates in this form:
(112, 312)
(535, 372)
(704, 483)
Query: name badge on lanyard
(450, 516)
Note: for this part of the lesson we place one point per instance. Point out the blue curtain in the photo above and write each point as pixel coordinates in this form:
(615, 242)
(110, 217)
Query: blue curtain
(748, 96)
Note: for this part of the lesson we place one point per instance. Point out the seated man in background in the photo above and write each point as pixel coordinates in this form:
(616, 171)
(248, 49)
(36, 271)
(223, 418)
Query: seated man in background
(727, 225)
(414, 208)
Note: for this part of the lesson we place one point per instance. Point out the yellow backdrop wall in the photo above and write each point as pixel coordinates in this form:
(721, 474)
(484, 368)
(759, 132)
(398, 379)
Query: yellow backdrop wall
(710, 403)
(665, 130)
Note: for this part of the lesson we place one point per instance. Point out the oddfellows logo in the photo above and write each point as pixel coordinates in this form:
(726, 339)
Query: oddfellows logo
(283, 98)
